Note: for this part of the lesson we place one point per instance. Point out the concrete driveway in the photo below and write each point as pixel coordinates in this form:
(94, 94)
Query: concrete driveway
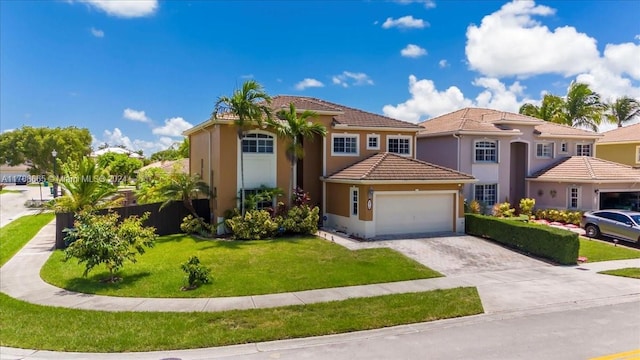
(453, 254)
(12, 204)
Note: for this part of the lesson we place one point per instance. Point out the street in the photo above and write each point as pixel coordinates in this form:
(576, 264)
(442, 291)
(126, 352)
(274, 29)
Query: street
(12, 204)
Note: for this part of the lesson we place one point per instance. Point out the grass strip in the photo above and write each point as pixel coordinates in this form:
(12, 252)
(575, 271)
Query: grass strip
(595, 250)
(626, 272)
(17, 233)
(32, 326)
(240, 268)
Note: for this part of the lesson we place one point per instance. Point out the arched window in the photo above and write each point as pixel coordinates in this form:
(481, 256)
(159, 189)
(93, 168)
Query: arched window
(257, 143)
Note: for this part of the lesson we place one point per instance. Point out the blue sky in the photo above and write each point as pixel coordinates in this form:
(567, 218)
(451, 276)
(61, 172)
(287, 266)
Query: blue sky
(137, 73)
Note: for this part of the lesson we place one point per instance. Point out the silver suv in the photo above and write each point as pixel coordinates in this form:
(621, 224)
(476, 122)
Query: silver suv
(618, 224)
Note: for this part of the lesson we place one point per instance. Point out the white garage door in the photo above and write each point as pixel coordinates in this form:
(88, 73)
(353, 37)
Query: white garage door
(413, 213)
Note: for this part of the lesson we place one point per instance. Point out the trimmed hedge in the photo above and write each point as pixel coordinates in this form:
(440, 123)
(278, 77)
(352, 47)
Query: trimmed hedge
(547, 242)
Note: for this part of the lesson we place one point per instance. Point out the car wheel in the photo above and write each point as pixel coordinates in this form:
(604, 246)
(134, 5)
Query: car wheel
(592, 231)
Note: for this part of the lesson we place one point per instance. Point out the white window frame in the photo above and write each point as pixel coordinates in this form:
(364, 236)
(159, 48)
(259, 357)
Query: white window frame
(352, 136)
(637, 154)
(475, 148)
(254, 136)
(545, 145)
(373, 136)
(571, 197)
(564, 147)
(401, 137)
(354, 202)
(590, 145)
(482, 201)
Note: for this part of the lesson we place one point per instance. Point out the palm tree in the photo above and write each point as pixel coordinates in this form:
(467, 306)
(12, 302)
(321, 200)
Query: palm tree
(623, 110)
(550, 109)
(250, 106)
(184, 187)
(583, 107)
(293, 127)
(86, 185)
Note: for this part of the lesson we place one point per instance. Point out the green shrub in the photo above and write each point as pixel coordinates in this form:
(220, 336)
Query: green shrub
(193, 225)
(197, 273)
(554, 244)
(301, 220)
(503, 210)
(526, 206)
(255, 225)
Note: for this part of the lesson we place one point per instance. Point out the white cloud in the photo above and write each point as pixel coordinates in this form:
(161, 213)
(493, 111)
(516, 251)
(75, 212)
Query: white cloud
(637, 37)
(308, 83)
(429, 4)
(173, 127)
(413, 51)
(124, 8)
(247, 76)
(427, 101)
(405, 22)
(135, 115)
(511, 42)
(443, 63)
(97, 32)
(348, 78)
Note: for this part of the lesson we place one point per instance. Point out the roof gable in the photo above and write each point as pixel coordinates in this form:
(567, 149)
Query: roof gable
(393, 167)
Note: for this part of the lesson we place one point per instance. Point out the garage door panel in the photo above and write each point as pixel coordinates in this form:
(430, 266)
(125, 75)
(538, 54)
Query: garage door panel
(413, 213)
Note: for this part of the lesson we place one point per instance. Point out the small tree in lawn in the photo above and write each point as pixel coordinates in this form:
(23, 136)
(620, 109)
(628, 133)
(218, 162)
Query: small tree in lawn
(102, 239)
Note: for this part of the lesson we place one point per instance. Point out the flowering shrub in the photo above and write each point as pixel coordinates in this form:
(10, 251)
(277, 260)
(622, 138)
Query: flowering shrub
(503, 210)
(301, 219)
(563, 216)
(526, 206)
(254, 225)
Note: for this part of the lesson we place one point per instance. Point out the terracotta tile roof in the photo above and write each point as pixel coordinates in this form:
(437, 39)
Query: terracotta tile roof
(629, 133)
(587, 169)
(489, 120)
(349, 116)
(388, 166)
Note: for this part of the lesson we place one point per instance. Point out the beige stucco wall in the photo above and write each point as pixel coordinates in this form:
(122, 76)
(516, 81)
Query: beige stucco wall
(620, 153)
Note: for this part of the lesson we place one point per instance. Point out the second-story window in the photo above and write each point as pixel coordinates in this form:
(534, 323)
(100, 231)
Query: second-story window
(345, 145)
(373, 142)
(486, 151)
(544, 150)
(563, 147)
(257, 143)
(400, 145)
(583, 150)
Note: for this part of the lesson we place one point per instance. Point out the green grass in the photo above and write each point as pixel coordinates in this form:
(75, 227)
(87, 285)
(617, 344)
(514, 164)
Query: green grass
(626, 272)
(240, 268)
(17, 233)
(48, 328)
(5, 191)
(595, 250)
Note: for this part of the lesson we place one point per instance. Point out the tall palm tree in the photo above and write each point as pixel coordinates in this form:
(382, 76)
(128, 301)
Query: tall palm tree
(86, 185)
(183, 187)
(550, 109)
(623, 110)
(583, 107)
(294, 127)
(249, 106)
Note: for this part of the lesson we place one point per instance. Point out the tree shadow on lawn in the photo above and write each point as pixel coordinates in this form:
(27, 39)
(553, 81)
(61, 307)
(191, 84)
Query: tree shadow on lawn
(92, 284)
(229, 243)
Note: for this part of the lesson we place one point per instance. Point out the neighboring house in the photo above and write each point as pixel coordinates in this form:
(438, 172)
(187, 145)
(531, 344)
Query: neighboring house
(14, 174)
(363, 174)
(180, 165)
(117, 150)
(507, 151)
(621, 145)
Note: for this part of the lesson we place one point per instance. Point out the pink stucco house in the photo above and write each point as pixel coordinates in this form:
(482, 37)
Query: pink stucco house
(515, 156)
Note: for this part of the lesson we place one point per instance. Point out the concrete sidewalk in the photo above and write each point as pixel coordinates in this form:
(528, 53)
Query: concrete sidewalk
(506, 290)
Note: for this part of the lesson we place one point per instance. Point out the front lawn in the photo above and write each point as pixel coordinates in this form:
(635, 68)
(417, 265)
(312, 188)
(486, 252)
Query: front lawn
(6, 191)
(595, 250)
(50, 328)
(17, 233)
(626, 272)
(241, 268)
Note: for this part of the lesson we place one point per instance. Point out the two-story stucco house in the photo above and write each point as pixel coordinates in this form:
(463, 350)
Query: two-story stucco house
(621, 145)
(515, 156)
(363, 174)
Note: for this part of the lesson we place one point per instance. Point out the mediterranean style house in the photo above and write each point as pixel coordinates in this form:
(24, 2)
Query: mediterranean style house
(515, 156)
(621, 145)
(363, 175)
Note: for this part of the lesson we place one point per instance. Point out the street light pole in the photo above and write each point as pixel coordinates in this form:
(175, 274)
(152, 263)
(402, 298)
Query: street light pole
(54, 153)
